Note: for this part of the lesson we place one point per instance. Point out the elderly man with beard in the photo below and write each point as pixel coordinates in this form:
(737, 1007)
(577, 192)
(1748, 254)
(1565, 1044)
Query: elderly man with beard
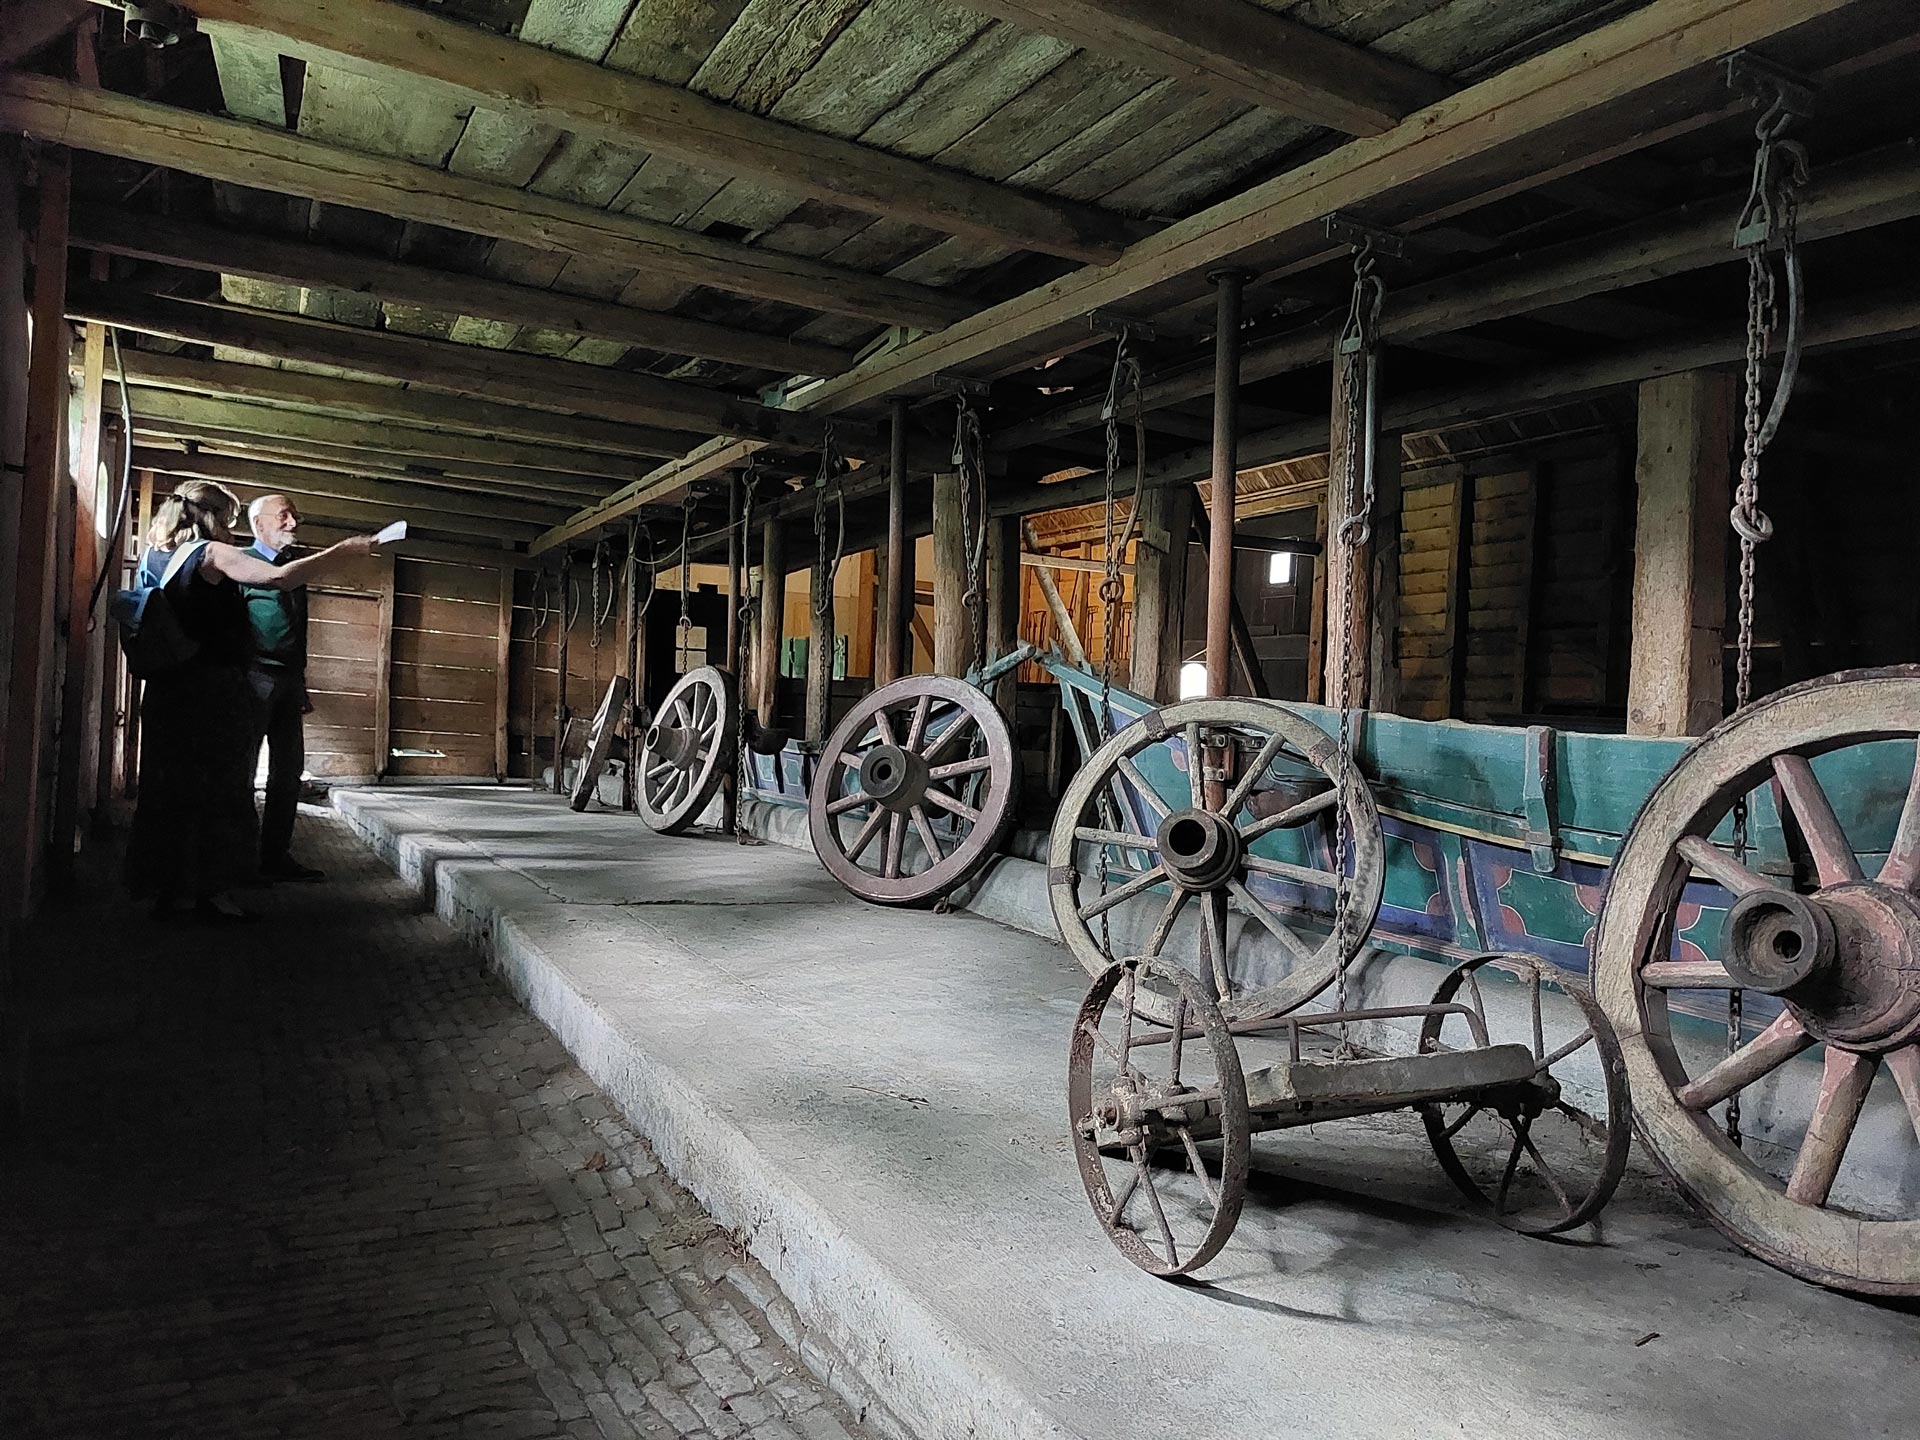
(277, 676)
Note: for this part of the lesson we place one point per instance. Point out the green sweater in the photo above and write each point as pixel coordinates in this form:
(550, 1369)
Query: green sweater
(278, 619)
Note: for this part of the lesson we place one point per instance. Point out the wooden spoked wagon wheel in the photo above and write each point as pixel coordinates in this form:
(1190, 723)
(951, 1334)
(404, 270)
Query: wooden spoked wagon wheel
(914, 791)
(687, 751)
(1835, 939)
(1525, 1154)
(606, 722)
(1201, 849)
(1141, 1102)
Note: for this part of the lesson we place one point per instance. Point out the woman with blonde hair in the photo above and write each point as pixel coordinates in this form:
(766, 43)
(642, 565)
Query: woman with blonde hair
(194, 828)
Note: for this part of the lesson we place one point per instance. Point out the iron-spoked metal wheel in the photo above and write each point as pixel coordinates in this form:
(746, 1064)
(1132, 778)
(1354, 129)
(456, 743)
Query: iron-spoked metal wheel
(1141, 1105)
(1830, 928)
(688, 749)
(606, 721)
(1525, 1154)
(914, 792)
(1200, 849)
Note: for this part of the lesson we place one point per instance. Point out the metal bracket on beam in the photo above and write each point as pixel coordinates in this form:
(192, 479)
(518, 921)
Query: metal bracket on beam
(1106, 322)
(953, 386)
(1345, 230)
(1769, 85)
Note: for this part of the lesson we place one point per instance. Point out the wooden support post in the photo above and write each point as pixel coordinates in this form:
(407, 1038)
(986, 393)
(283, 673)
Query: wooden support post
(820, 647)
(1003, 604)
(383, 674)
(1383, 636)
(773, 621)
(503, 676)
(41, 478)
(736, 598)
(1160, 589)
(560, 665)
(1683, 472)
(109, 716)
(1226, 467)
(895, 649)
(952, 621)
(80, 684)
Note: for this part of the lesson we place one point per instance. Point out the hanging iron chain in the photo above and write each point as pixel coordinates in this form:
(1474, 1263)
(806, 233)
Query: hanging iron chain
(1357, 355)
(1768, 221)
(743, 654)
(683, 629)
(969, 459)
(602, 557)
(833, 466)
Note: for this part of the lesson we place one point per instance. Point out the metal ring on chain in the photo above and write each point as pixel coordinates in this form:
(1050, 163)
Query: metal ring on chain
(914, 791)
(1272, 829)
(1834, 941)
(686, 750)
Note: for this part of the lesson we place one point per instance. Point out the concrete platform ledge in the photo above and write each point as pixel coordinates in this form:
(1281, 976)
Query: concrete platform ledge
(874, 1102)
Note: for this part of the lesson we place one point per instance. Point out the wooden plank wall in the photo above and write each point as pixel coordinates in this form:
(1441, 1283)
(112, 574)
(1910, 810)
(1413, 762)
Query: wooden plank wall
(446, 625)
(1512, 584)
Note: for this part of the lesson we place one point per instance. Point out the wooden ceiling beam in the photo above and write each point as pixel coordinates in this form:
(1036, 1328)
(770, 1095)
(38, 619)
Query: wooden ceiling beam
(361, 399)
(30, 25)
(1462, 135)
(394, 41)
(106, 123)
(471, 370)
(1237, 49)
(330, 484)
(393, 446)
(709, 461)
(1870, 190)
(296, 262)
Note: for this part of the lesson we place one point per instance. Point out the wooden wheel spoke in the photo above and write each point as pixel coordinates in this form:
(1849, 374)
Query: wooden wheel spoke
(917, 729)
(851, 759)
(1177, 1042)
(1844, 1083)
(1547, 1062)
(1199, 1170)
(1289, 941)
(1833, 857)
(1157, 941)
(1767, 1052)
(1904, 1064)
(865, 836)
(890, 857)
(1092, 1031)
(1143, 881)
(1124, 839)
(957, 807)
(1513, 1164)
(1196, 778)
(849, 802)
(1465, 1119)
(1903, 856)
(1293, 815)
(1213, 940)
(934, 853)
(1243, 787)
(948, 771)
(1126, 1195)
(1722, 868)
(962, 723)
(1148, 795)
(883, 727)
(1300, 874)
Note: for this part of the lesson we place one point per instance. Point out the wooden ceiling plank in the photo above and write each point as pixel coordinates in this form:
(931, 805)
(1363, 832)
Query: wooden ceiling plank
(1238, 49)
(1665, 40)
(343, 485)
(233, 252)
(361, 399)
(576, 95)
(244, 154)
(444, 365)
(33, 25)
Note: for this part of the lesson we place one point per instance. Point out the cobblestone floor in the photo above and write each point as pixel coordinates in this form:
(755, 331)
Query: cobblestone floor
(321, 1176)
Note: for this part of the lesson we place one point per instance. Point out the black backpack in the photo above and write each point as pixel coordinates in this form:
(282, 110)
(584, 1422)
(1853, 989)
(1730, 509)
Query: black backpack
(151, 635)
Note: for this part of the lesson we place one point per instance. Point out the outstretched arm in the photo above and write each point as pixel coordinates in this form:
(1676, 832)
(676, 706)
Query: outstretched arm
(232, 563)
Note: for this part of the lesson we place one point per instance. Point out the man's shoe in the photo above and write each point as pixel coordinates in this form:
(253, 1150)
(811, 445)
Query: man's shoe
(287, 868)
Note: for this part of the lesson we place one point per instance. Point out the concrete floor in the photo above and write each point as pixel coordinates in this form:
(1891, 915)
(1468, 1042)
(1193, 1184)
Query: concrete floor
(874, 1100)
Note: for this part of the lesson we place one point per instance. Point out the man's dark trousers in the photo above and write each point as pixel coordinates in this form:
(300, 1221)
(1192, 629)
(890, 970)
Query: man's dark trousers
(280, 699)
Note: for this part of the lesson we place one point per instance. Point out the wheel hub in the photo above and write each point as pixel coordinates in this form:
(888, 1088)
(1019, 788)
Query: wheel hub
(894, 776)
(1200, 849)
(674, 743)
(1847, 960)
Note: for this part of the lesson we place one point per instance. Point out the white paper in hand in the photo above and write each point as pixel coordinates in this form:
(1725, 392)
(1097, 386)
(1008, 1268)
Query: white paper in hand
(396, 531)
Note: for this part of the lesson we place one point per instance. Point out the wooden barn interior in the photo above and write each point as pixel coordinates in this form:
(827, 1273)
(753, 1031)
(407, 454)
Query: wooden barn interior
(1384, 360)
